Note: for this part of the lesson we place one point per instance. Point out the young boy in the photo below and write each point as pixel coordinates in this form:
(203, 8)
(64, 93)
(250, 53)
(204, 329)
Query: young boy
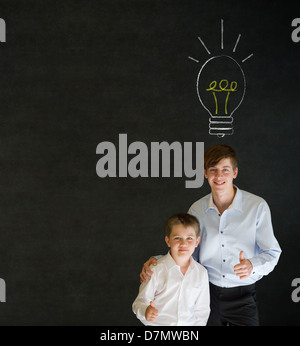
(178, 292)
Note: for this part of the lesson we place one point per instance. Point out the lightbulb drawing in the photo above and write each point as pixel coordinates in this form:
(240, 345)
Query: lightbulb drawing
(221, 87)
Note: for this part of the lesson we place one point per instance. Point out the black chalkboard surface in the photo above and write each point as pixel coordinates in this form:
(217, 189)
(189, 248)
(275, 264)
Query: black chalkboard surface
(78, 73)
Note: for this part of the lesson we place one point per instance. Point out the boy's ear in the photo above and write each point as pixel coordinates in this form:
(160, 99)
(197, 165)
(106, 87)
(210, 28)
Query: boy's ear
(167, 241)
(197, 241)
(235, 173)
(205, 174)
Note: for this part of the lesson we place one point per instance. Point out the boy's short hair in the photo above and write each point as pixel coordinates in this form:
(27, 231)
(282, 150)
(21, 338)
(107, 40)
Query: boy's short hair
(218, 152)
(187, 220)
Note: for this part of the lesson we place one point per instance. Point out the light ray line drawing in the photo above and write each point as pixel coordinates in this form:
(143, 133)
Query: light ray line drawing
(190, 57)
(203, 44)
(248, 57)
(222, 34)
(221, 87)
(237, 41)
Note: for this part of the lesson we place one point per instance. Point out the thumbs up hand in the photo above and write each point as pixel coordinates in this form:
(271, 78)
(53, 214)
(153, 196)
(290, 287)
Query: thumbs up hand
(244, 268)
(151, 312)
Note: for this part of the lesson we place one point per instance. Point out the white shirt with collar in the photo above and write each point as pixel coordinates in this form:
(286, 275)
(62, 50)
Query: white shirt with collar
(181, 300)
(245, 226)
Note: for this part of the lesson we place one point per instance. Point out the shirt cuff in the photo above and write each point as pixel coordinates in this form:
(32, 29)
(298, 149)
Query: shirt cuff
(141, 312)
(255, 266)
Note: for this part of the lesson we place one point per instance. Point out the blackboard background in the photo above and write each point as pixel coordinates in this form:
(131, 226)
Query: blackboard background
(76, 73)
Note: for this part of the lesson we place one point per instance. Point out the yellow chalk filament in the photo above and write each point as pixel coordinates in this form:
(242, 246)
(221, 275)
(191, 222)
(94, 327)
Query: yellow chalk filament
(222, 87)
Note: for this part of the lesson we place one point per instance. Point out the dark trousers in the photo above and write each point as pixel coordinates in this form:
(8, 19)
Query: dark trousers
(233, 306)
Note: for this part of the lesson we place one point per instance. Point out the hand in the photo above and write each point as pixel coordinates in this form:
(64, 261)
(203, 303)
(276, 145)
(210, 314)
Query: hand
(146, 271)
(151, 312)
(244, 268)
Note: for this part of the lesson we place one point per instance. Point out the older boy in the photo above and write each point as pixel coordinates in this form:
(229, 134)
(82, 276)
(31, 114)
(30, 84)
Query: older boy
(178, 292)
(237, 245)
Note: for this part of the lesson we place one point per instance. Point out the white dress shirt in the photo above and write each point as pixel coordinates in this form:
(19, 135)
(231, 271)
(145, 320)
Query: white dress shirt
(245, 226)
(181, 300)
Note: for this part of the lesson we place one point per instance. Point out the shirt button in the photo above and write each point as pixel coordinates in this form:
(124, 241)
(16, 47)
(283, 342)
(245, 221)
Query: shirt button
(222, 245)
(224, 260)
(223, 276)
(221, 232)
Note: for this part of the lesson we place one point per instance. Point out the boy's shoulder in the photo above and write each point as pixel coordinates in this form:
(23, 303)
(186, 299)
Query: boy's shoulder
(200, 204)
(199, 267)
(249, 200)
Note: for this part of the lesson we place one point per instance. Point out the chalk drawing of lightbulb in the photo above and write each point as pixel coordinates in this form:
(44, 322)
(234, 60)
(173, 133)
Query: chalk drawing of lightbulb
(221, 87)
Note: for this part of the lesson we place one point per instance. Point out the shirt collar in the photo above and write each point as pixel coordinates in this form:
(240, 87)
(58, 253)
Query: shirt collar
(236, 203)
(170, 263)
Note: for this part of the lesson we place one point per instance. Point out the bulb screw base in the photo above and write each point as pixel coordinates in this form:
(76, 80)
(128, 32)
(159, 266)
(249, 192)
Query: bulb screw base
(221, 126)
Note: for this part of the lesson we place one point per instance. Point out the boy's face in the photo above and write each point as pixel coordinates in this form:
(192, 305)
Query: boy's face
(182, 241)
(220, 177)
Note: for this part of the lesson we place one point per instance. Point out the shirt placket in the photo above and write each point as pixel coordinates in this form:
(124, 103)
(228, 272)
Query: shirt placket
(223, 247)
(180, 307)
